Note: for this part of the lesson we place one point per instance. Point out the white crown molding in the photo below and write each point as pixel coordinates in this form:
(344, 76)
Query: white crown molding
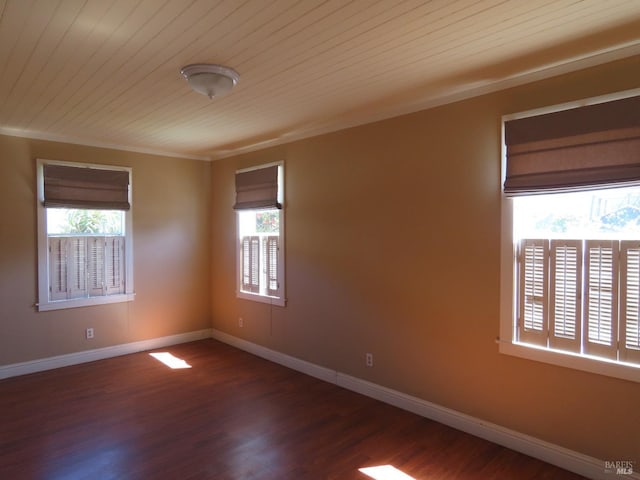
(573, 461)
(14, 132)
(452, 95)
(50, 363)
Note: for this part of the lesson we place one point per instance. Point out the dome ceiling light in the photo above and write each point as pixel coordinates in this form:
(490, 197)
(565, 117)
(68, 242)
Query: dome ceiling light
(210, 80)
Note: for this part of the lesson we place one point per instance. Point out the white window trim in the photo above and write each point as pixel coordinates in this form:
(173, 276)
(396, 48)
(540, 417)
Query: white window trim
(44, 304)
(507, 341)
(256, 297)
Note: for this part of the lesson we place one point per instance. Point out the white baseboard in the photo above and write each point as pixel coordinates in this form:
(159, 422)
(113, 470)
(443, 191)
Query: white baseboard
(581, 464)
(49, 363)
(562, 457)
(293, 363)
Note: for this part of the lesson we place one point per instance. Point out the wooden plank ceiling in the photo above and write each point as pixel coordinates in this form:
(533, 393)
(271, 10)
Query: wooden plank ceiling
(107, 72)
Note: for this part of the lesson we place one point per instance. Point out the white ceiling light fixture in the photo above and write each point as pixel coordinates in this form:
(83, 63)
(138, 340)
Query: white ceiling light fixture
(210, 80)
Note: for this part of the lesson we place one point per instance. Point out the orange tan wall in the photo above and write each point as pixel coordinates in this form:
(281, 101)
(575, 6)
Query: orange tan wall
(392, 247)
(171, 227)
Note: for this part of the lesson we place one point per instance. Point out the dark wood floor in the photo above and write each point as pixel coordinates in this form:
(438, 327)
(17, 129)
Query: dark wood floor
(232, 416)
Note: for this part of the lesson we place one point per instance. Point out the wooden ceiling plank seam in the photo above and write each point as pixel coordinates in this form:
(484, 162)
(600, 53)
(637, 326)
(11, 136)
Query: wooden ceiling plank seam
(185, 112)
(89, 105)
(91, 94)
(222, 34)
(48, 42)
(355, 59)
(448, 42)
(202, 44)
(349, 18)
(84, 65)
(196, 115)
(87, 85)
(355, 89)
(545, 33)
(250, 78)
(407, 49)
(400, 61)
(69, 68)
(203, 121)
(475, 42)
(46, 83)
(14, 17)
(321, 45)
(257, 28)
(175, 121)
(145, 113)
(164, 95)
(386, 62)
(457, 60)
(21, 49)
(141, 73)
(300, 23)
(40, 28)
(289, 73)
(3, 6)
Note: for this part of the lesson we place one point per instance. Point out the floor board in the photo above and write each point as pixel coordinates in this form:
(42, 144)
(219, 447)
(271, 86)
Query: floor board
(232, 416)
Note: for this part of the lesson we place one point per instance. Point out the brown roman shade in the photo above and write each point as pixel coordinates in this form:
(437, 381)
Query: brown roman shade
(83, 187)
(257, 189)
(575, 149)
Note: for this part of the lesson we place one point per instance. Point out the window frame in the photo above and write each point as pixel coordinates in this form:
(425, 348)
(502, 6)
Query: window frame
(257, 296)
(44, 303)
(507, 341)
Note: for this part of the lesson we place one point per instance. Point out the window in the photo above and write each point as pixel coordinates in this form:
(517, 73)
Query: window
(84, 235)
(260, 239)
(570, 281)
(577, 272)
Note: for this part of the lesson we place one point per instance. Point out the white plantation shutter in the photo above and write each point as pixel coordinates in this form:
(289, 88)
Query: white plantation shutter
(114, 265)
(565, 308)
(77, 267)
(601, 299)
(630, 301)
(255, 264)
(532, 322)
(95, 266)
(272, 265)
(246, 262)
(251, 264)
(87, 266)
(57, 268)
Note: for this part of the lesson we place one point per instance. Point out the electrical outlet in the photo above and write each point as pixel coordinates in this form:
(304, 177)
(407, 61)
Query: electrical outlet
(89, 333)
(240, 322)
(369, 359)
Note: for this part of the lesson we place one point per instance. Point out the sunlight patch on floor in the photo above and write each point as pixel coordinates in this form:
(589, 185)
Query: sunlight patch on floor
(385, 472)
(169, 360)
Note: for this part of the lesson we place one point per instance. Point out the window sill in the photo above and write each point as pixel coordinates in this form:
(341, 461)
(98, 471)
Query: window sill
(84, 302)
(601, 366)
(280, 302)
